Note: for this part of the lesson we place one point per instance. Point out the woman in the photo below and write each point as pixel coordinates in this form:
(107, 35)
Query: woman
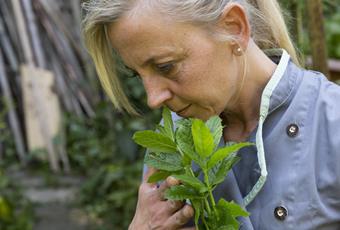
(215, 57)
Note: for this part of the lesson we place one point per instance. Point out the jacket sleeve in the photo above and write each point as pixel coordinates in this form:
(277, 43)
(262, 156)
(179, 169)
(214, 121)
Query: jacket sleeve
(327, 145)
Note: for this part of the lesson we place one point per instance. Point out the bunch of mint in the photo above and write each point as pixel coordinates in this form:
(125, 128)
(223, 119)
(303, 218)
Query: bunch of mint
(172, 152)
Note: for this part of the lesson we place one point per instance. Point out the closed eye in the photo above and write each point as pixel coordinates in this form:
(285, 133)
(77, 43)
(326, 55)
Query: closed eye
(165, 68)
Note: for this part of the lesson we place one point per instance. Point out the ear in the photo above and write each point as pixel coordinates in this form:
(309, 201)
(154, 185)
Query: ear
(234, 22)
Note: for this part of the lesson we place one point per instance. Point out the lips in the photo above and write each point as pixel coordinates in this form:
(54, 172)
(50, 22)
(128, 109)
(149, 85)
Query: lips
(182, 111)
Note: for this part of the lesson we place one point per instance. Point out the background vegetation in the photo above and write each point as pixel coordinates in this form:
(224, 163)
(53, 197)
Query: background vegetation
(100, 147)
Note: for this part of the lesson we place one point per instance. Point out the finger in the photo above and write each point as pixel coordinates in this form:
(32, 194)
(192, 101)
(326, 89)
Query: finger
(148, 173)
(181, 217)
(174, 205)
(170, 181)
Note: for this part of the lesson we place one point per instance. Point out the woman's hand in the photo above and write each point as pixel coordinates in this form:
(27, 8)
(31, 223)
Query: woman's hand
(154, 212)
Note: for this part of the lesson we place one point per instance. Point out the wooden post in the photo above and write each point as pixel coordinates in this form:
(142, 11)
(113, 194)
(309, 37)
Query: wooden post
(44, 127)
(317, 36)
(59, 146)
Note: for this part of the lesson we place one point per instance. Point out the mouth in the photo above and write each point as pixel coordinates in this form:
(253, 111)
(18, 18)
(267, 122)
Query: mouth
(183, 110)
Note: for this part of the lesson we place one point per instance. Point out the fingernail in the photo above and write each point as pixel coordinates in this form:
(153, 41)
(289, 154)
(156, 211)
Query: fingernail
(188, 211)
(172, 181)
(154, 187)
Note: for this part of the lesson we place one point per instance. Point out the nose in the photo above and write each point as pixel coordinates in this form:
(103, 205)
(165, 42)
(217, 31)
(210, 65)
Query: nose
(157, 91)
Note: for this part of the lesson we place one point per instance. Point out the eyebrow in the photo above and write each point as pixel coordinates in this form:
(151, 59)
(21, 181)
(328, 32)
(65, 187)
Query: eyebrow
(153, 58)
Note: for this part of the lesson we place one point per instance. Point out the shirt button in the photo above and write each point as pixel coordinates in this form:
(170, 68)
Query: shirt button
(292, 130)
(280, 213)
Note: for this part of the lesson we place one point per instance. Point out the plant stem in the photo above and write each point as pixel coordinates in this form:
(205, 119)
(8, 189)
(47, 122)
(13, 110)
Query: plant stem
(205, 223)
(192, 172)
(212, 200)
(207, 206)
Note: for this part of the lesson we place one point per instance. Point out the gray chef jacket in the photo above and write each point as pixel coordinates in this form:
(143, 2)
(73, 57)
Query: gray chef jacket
(301, 136)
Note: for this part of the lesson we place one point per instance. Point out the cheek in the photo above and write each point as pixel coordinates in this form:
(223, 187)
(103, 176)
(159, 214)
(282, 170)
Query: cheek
(199, 80)
(192, 80)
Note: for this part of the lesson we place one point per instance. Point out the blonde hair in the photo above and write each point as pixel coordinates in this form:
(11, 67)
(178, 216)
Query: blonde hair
(265, 17)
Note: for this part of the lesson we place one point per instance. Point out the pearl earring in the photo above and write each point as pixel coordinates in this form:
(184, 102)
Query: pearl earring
(238, 51)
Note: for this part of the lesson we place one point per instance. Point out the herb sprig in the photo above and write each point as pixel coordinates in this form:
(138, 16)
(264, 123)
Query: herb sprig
(172, 151)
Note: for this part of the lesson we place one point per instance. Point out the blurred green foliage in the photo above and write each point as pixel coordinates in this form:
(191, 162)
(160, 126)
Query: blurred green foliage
(101, 148)
(16, 212)
(333, 32)
(296, 17)
(7, 146)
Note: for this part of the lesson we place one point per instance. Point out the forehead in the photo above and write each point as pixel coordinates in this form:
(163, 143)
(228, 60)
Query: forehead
(150, 34)
(144, 31)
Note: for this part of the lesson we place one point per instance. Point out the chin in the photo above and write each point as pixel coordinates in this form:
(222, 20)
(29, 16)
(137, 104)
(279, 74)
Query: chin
(203, 117)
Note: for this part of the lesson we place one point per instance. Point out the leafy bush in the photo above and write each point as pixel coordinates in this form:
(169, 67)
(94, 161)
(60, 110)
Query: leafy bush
(110, 195)
(333, 34)
(15, 210)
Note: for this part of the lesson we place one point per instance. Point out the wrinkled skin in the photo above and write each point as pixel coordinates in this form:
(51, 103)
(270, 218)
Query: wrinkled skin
(154, 212)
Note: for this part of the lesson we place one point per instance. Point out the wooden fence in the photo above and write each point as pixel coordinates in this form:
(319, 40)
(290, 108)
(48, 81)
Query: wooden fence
(44, 70)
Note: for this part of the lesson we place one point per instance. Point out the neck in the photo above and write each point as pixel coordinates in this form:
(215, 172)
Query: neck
(241, 118)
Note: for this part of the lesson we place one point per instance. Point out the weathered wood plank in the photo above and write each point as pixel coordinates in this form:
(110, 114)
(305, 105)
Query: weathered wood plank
(42, 112)
(31, 73)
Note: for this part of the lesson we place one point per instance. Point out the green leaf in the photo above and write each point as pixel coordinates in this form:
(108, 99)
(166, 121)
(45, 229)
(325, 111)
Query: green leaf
(185, 142)
(218, 173)
(227, 213)
(198, 207)
(161, 129)
(235, 209)
(192, 181)
(168, 124)
(164, 161)
(159, 176)
(222, 153)
(155, 141)
(184, 122)
(181, 192)
(203, 140)
(186, 160)
(215, 125)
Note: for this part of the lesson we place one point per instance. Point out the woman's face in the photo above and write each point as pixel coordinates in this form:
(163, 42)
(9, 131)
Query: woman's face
(181, 65)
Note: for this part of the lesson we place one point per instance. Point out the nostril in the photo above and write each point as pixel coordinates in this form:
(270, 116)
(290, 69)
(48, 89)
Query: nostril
(156, 90)
(156, 99)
